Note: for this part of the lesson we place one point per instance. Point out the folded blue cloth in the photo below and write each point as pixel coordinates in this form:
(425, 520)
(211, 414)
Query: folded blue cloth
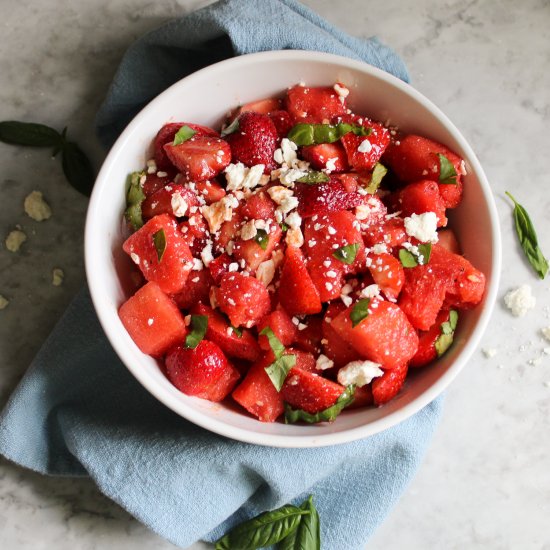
(78, 411)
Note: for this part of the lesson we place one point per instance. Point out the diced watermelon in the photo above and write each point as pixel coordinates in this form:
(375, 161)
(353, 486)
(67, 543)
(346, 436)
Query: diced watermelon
(304, 360)
(309, 338)
(387, 386)
(172, 271)
(334, 346)
(281, 325)
(153, 182)
(391, 232)
(165, 199)
(219, 267)
(318, 105)
(447, 239)
(426, 342)
(420, 197)
(365, 151)
(210, 191)
(153, 320)
(388, 274)
(195, 232)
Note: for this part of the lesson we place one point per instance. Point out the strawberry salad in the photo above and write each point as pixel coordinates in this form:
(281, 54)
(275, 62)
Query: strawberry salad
(297, 262)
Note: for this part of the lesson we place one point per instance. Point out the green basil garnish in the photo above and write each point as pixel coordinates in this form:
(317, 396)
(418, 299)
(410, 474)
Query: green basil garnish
(346, 254)
(307, 536)
(447, 172)
(327, 415)
(262, 238)
(183, 134)
(408, 259)
(134, 197)
(314, 177)
(232, 128)
(199, 324)
(359, 312)
(314, 134)
(279, 369)
(445, 339)
(159, 240)
(377, 175)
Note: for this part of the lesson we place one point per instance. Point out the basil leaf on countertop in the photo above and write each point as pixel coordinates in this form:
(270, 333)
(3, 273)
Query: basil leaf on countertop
(183, 134)
(308, 534)
(199, 324)
(315, 134)
(528, 239)
(159, 240)
(359, 312)
(313, 177)
(327, 415)
(264, 530)
(77, 168)
(447, 172)
(346, 254)
(29, 134)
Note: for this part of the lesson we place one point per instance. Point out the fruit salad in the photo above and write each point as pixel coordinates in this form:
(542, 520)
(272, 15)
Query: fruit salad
(296, 260)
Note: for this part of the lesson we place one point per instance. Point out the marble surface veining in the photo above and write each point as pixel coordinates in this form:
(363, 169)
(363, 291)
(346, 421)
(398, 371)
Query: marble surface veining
(485, 483)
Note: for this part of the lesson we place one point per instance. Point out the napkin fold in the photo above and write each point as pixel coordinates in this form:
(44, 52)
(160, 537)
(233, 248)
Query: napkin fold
(78, 411)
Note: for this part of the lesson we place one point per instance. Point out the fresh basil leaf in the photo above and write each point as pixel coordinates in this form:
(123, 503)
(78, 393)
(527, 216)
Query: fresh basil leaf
(238, 331)
(528, 239)
(274, 342)
(377, 175)
(29, 133)
(134, 197)
(308, 534)
(447, 172)
(314, 134)
(407, 258)
(425, 250)
(159, 240)
(263, 530)
(77, 168)
(346, 254)
(279, 369)
(183, 134)
(359, 312)
(199, 324)
(328, 415)
(262, 238)
(314, 177)
(283, 226)
(445, 339)
(232, 128)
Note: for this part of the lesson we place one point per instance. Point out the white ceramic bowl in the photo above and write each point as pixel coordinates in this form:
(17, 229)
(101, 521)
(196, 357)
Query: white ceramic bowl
(205, 97)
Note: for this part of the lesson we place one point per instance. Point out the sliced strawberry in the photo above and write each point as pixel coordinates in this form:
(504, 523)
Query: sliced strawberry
(196, 289)
(166, 135)
(362, 397)
(174, 199)
(283, 122)
(314, 104)
(229, 231)
(387, 386)
(388, 274)
(255, 141)
(365, 151)
(210, 191)
(195, 231)
(262, 106)
(253, 253)
(199, 158)
(420, 197)
(259, 206)
(153, 182)
(319, 155)
(219, 267)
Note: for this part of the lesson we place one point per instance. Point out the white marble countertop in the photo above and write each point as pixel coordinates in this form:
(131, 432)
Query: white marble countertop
(485, 483)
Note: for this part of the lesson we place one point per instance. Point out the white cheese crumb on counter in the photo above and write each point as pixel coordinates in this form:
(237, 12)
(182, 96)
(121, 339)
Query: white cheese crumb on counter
(57, 276)
(323, 363)
(360, 373)
(422, 226)
(36, 207)
(520, 300)
(3, 302)
(489, 352)
(15, 239)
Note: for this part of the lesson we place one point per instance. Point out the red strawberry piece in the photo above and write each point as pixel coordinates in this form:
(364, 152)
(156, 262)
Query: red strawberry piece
(310, 392)
(255, 141)
(220, 331)
(219, 267)
(319, 155)
(309, 338)
(325, 197)
(153, 182)
(297, 293)
(387, 386)
(387, 272)
(362, 397)
(365, 151)
(426, 342)
(210, 191)
(153, 320)
(420, 197)
(281, 325)
(373, 211)
(334, 347)
(196, 233)
(172, 270)
(202, 372)
(262, 106)
(166, 135)
(259, 206)
(243, 299)
(199, 158)
(196, 289)
(391, 232)
(384, 336)
(165, 199)
(314, 105)
(229, 231)
(283, 122)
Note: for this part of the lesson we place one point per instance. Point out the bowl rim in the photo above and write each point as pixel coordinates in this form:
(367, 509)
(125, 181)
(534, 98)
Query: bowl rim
(310, 440)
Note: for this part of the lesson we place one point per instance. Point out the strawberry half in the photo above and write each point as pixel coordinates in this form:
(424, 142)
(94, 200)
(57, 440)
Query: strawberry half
(319, 155)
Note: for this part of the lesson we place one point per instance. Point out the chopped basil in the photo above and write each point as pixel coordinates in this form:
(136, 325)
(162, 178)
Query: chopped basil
(445, 339)
(447, 172)
(159, 240)
(199, 324)
(327, 415)
(262, 238)
(308, 534)
(264, 530)
(314, 177)
(279, 369)
(313, 134)
(232, 128)
(528, 239)
(134, 197)
(377, 175)
(346, 254)
(359, 312)
(410, 259)
(407, 258)
(238, 331)
(183, 134)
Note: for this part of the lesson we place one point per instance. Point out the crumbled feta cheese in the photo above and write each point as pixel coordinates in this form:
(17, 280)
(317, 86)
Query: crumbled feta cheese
(359, 373)
(219, 212)
(151, 166)
(266, 272)
(462, 168)
(520, 300)
(248, 230)
(231, 302)
(380, 248)
(233, 266)
(346, 300)
(288, 152)
(347, 289)
(323, 362)
(546, 332)
(371, 291)
(36, 207)
(329, 286)
(179, 204)
(293, 220)
(331, 230)
(342, 92)
(150, 321)
(365, 146)
(422, 226)
(3, 302)
(57, 276)
(206, 255)
(239, 177)
(15, 239)
(294, 237)
(197, 265)
(135, 258)
(489, 352)
(279, 193)
(330, 165)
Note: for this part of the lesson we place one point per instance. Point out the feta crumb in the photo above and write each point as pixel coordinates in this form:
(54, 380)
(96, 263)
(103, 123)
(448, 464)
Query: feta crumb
(150, 321)
(346, 300)
(266, 272)
(288, 177)
(288, 151)
(546, 332)
(359, 373)
(135, 258)
(365, 146)
(206, 255)
(330, 165)
(279, 193)
(232, 267)
(15, 239)
(219, 212)
(151, 166)
(331, 230)
(197, 265)
(231, 302)
(323, 362)
(57, 276)
(248, 230)
(294, 237)
(342, 92)
(422, 226)
(239, 177)
(3, 302)
(329, 286)
(36, 207)
(520, 300)
(294, 220)
(380, 248)
(489, 352)
(371, 291)
(179, 204)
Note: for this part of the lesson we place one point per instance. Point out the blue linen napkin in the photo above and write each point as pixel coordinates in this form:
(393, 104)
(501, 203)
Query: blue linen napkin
(78, 411)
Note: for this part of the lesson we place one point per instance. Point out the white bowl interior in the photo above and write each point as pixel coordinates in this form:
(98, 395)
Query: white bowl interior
(204, 98)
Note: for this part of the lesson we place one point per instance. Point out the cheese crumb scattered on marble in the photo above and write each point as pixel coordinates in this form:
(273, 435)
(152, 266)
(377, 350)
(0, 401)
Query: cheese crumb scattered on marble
(57, 276)
(422, 226)
(360, 373)
(3, 302)
(489, 352)
(36, 207)
(520, 300)
(15, 239)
